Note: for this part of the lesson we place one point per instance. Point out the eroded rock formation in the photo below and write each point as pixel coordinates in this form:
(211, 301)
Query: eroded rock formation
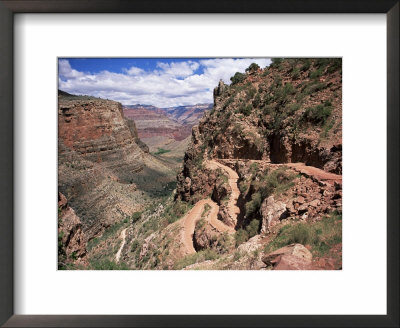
(72, 240)
(98, 158)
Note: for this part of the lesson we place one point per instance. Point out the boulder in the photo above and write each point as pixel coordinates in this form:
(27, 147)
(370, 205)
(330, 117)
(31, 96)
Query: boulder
(272, 211)
(291, 257)
(205, 237)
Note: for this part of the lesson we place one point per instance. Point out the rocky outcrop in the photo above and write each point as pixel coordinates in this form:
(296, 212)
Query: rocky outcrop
(205, 236)
(304, 150)
(291, 257)
(307, 196)
(194, 184)
(72, 240)
(287, 113)
(219, 90)
(225, 217)
(98, 160)
(272, 211)
(97, 130)
(134, 132)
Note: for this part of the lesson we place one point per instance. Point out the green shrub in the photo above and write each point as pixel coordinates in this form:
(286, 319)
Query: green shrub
(176, 210)
(313, 87)
(243, 185)
(252, 228)
(107, 265)
(322, 62)
(201, 256)
(266, 72)
(277, 82)
(318, 114)
(292, 108)
(251, 91)
(254, 167)
(237, 78)
(327, 127)
(135, 245)
(295, 73)
(335, 65)
(300, 234)
(228, 102)
(256, 101)
(136, 216)
(317, 73)
(289, 89)
(245, 109)
(320, 235)
(276, 62)
(241, 236)
(252, 68)
(161, 151)
(276, 181)
(306, 65)
(109, 232)
(253, 205)
(268, 110)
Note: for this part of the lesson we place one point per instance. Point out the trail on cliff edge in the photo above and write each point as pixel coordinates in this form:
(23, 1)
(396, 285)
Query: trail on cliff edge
(190, 219)
(233, 209)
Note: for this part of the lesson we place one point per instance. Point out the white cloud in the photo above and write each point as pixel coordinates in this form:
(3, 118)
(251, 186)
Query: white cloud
(180, 69)
(171, 84)
(134, 71)
(65, 70)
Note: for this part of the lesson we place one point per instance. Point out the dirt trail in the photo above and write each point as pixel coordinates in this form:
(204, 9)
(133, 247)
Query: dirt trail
(189, 222)
(318, 174)
(212, 218)
(233, 177)
(310, 171)
(123, 237)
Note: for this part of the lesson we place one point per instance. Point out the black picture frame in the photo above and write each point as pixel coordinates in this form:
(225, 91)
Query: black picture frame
(7, 10)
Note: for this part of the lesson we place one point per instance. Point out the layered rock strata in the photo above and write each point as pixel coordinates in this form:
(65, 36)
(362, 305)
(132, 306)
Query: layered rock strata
(98, 160)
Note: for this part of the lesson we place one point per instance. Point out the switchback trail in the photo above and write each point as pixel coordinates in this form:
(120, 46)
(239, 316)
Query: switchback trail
(189, 222)
(190, 219)
(233, 209)
(123, 237)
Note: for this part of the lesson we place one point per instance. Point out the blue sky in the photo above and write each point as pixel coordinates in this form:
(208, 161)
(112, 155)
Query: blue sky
(163, 82)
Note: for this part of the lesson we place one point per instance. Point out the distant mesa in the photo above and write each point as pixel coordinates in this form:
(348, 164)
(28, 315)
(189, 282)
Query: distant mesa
(171, 122)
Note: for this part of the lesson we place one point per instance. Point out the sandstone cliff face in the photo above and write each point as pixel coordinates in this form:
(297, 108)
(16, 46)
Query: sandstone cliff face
(72, 240)
(189, 115)
(97, 130)
(153, 122)
(98, 161)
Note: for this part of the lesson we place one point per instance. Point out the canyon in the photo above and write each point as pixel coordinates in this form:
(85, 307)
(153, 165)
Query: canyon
(251, 182)
(164, 127)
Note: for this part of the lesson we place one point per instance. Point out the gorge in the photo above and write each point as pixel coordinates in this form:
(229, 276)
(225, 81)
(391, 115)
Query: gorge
(251, 182)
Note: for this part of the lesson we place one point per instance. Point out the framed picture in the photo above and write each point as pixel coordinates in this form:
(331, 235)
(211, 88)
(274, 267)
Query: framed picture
(192, 172)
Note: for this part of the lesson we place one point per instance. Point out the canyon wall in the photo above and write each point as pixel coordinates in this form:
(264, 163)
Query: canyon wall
(98, 158)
